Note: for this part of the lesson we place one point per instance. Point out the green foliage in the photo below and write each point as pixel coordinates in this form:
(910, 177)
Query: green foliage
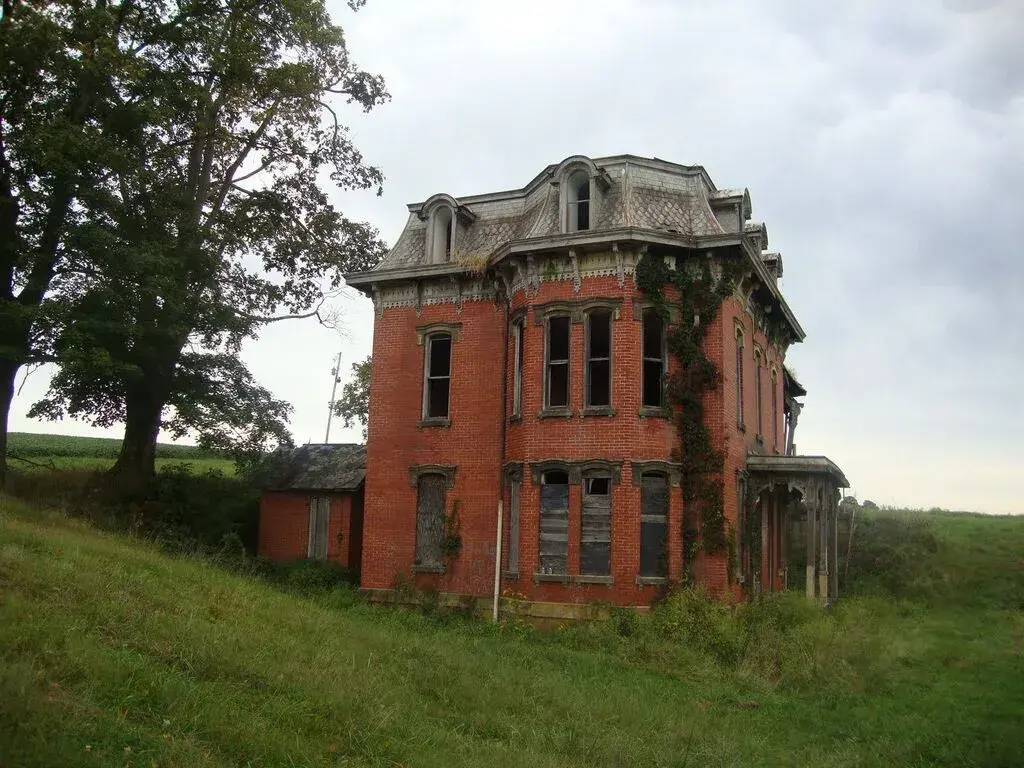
(354, 404)
(451, 542)
(198, 217)
(111, 652)
(696, 293)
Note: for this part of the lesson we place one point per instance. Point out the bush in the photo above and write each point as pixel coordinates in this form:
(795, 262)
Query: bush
(893, 554)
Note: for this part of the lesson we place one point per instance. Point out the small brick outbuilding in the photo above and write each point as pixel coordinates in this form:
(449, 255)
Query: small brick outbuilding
(312, 505)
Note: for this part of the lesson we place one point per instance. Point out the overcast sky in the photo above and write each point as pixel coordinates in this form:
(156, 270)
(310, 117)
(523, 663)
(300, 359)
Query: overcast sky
(883, 146)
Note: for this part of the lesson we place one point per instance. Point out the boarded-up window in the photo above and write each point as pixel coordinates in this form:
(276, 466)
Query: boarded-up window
(437, 376)
(429, 521)
(599, 359)
(654, 359)
(512, 560)
(554, 522)
(596, 527)
(319, 517)
(653, 525)
(557, 389)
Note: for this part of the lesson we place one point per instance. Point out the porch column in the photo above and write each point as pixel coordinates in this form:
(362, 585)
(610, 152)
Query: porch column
(784, 503)
(812, 537)
(824, 532)
(834, 581)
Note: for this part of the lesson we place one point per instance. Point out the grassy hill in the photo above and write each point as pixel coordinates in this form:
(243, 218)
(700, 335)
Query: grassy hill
(29, 451)
(112, 653)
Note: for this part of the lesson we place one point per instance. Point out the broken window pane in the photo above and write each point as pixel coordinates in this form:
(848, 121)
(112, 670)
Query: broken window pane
(653, 525)
(430, 521)
(558, 362)
(438, 376)
(582, 216)
(599, 347)
(554, 522)
(653, 360)
(596, 527)
(517, 387)
(440, 355)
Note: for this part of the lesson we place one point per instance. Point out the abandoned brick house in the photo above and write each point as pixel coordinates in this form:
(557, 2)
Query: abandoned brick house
(516, 360)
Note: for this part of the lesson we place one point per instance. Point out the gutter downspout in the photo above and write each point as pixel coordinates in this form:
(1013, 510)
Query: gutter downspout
(501, 467)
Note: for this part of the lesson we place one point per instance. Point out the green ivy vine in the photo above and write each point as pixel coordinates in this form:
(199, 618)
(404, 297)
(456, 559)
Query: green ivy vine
(451, 541)
(697, 293)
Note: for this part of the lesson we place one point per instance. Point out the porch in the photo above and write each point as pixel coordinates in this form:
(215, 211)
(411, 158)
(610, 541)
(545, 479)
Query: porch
(790, 502)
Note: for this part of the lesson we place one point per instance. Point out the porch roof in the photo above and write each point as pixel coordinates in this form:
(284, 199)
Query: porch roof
(798, 465)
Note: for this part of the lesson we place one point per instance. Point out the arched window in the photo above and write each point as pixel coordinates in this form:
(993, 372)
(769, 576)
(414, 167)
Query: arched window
(775, 408)
(577, 214)
(653, 524)
(739, 377)
(757, 389)
(442, 230)
(554, 522)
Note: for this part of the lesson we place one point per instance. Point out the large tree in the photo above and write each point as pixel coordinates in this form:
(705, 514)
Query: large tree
(210, 221)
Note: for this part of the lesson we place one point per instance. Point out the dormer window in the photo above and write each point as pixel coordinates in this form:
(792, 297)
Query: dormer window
(578, 202)
(442, 230)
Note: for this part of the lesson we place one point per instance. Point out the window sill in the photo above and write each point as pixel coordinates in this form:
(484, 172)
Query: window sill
(646, 581)
(654, 412)
(564, 578)
(428, 569)
(598, 410)
(434, 422)
(590, 579)
(554, 413)
(513, 575)
(515, 418)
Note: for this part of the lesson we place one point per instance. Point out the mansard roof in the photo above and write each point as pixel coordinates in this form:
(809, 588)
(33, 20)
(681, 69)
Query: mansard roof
(646, 200)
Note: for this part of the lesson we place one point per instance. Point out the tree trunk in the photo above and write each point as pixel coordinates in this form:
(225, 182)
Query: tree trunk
(8, 370)
(136, 464)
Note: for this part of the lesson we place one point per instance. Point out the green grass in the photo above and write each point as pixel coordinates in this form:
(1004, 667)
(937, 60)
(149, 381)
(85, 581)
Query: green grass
(112, 653)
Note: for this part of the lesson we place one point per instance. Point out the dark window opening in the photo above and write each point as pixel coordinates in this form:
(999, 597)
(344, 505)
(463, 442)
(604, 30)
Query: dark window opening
(438, 376)
(775, 410)
(596, 527)
(558, 363)
(757, 391)
(599, 359)
(519, 330)
(653, 525)
(739, 380)
(554, 522)
(430, 521)
(653, 360)
(448, 240)
(579, 203)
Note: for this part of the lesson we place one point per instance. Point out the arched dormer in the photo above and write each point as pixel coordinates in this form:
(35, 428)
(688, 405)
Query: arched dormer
(580, 183)
(443, 215)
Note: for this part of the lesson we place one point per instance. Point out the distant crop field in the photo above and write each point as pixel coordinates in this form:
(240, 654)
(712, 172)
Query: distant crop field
(29, 451)
(29, 445)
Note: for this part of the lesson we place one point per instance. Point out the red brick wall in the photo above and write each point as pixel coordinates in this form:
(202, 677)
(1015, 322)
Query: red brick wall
(396, 442)
(284, 526)
(473, 442)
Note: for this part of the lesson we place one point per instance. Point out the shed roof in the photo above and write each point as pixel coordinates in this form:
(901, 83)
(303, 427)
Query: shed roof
(318, 467)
